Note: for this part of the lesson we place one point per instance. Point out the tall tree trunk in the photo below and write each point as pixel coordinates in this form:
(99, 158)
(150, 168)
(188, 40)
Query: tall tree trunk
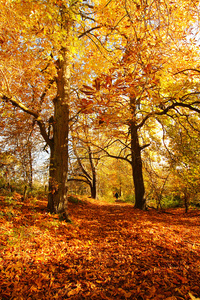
(30, 162)
(50, 205)
(136, 159)
(93, 190)
(59, 151)
(59, 157)
(186, 199)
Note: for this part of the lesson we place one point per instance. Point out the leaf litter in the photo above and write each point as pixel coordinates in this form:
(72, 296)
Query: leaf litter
(110, 251)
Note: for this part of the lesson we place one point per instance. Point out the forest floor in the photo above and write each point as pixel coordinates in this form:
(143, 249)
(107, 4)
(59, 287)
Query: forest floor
(110, 251)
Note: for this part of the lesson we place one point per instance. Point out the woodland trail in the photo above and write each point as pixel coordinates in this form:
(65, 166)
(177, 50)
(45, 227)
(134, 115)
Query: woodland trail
(110, 251)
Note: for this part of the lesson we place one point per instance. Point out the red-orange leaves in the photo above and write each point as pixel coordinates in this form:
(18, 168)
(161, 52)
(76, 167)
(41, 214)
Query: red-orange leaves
(86, 105)
(111, 251)
(96, 84)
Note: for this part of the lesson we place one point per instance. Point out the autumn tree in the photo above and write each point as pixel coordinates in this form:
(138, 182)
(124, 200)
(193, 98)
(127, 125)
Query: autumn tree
(19, 137)
(84, 168)
(39, 17)
(181, 141)
(39, 37)
(141, 89)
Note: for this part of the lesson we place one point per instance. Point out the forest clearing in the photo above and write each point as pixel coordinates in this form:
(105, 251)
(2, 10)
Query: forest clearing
(109, 251)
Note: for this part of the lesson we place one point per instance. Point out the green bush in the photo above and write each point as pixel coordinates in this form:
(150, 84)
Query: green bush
(9, 200)
(12, 186)
(129, 198)
(37, 191)
(2, 183)
(196, 204)
(106, 198)
(74, 199)
(172, 202)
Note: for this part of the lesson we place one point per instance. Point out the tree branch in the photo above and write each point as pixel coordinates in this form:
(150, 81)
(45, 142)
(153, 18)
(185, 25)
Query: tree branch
(88, 31)
(87, 175)
(17, 103)
(195, 70)
(79, 179)
(171, 107)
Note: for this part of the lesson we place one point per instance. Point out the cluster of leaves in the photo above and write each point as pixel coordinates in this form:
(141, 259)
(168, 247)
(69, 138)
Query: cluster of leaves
(109, 252)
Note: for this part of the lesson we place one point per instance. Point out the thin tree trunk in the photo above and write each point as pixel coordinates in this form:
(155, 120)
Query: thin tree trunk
(94, 183)
(24, 193)
(30, 172)
(186, 197)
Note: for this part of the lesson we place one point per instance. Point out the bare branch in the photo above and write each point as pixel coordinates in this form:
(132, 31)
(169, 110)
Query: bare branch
(79, 179)
(170, 107)
(185, 70)
(88, 31)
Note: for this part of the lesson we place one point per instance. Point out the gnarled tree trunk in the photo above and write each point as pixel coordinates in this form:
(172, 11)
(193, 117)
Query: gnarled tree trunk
(59, 151)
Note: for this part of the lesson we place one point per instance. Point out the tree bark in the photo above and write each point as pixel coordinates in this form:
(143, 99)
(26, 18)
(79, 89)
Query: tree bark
(57, 201)
(93, 190)
(59, 150)
(186, 198)
(138, 180)
(94, 183)
(30, 162)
